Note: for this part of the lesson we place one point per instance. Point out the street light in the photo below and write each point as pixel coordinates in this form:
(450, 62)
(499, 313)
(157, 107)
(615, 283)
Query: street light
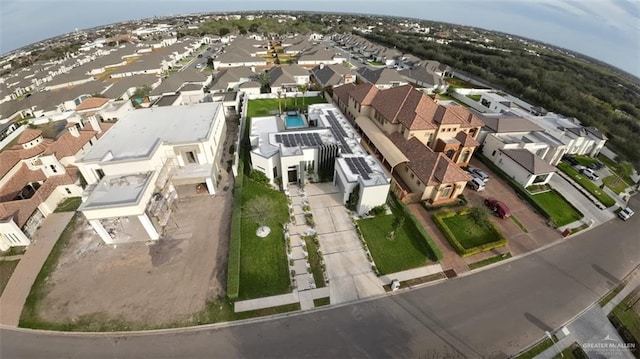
(548, 334)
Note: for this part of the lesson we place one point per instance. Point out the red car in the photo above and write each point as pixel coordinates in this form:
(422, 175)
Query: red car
(499, 208)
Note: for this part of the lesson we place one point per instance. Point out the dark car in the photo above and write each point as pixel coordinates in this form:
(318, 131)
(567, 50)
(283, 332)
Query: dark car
(570, 160)
(595, 165)
(499, 208)
(199, 55)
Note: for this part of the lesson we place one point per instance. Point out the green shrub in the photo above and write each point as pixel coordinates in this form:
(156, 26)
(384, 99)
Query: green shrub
(451, 238)
(461, 201)
(233, 264)
(378, 210)
(259, 177)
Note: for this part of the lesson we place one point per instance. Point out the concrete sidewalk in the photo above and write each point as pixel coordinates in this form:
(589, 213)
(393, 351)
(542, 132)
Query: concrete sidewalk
(19, 286)
(266, 302)
(632, 283)
(412, 273)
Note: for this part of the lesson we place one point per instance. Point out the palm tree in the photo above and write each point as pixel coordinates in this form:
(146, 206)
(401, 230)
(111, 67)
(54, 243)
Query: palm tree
(264, 79)
(279, 93)
(303, 88)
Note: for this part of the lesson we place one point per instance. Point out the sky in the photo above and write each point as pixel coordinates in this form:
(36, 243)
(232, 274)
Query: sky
(608, 30)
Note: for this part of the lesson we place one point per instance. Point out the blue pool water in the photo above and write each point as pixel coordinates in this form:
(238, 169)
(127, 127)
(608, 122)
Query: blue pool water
(294, 121)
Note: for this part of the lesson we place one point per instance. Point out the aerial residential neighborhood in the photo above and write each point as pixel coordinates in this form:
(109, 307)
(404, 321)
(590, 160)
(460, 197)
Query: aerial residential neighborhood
(170, 172)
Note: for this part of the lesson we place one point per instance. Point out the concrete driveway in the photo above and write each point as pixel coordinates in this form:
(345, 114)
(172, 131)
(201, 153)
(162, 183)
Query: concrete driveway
(539, 232)
(582, 203)
(348, 269)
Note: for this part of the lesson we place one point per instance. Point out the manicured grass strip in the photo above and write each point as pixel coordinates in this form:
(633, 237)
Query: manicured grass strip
(407, 250)
(614, 183)
(607, 298)
(518, 223)
(488, 261)
(69, 205)
(29, 317)
(262, 107)
(559, 210)
(574, 351)
(314, 262)
(6, 269)
(585, 160)
(263, 261)
(536, 349)
(321, 301)
(587, 184)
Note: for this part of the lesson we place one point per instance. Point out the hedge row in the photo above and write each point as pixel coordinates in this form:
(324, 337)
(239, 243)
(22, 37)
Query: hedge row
(464, 252)
(460, 201)
(434, 252)
(233, 264)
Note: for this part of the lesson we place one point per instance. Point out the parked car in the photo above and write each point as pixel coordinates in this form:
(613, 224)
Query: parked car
(199, 56)
(570, 160)
(626, 213)
(476, 184)
(199, 66)
(478, 173)
(499, 208)
(595, 165)
(590, 174)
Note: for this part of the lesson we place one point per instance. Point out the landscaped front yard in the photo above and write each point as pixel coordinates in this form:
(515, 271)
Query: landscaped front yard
(587, 184)
(407, 250)
(560, 212)
(263, 264)
(263, 107)
(615, 183)
(467, 235)
(626, 319)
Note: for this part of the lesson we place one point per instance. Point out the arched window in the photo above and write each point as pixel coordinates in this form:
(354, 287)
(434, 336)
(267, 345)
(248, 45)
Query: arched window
(446, 191)
(465, 156)
(450, 153)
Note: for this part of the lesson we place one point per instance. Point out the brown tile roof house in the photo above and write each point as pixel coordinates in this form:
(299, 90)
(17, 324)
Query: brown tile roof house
(92, 103)
(21, 210)
(68, 145)
(466, 140)
(364, 93)
(432, 168)
(407, 106)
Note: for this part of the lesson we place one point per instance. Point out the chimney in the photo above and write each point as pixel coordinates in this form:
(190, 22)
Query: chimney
(93, 122)
(321, 66)
(74, 131)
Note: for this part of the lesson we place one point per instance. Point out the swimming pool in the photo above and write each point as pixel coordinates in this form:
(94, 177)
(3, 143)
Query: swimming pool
(294, 121)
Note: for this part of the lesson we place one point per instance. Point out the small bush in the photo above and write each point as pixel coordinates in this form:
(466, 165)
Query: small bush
(259, 177)
(378, 210)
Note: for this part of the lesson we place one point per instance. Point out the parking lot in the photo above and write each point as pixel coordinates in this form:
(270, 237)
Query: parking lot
(145, 283)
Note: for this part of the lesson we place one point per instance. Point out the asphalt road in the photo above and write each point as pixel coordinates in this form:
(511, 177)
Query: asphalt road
(493, 313)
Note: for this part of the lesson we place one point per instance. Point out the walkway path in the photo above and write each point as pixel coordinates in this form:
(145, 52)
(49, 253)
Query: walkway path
(19, 286)
(632, 283)
(412, 273)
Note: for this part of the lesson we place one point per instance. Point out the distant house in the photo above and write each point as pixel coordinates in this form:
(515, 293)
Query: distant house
(287, 78)
(137, 170)
(382, 78)
(331, 75)
(232, 78)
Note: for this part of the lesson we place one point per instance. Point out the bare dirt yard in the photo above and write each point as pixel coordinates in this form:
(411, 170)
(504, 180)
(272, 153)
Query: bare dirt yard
(151, 284)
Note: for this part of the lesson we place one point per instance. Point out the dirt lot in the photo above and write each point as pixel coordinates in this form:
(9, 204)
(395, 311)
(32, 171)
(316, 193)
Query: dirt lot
(146, 283)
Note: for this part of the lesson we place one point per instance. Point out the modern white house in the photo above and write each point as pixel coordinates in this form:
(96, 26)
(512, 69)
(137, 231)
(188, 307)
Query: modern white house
(288, 148)
(137, 170)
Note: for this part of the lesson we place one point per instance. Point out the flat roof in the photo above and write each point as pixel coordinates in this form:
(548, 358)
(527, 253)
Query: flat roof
(117, 191)
(139, 132)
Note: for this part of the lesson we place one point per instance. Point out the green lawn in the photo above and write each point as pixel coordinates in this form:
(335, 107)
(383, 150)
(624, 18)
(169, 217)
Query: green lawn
(467, 232)
(6, 269)
(263, 261)
(258, 108)
(560, 211)
(587, 184)
(585, 160)
(69, 205)
(574, 351)
(376, 63)
(536, 349)
(321, 301)
(615, 183)
(626, 319)
(515, 220)
(408, 250)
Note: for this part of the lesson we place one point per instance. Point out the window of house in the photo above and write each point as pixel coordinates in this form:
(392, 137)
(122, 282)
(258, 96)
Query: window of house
(67, 190)
(190, 156)
(465, 156)
(406, 169)
(493, 154)
(418, 183)
(275, 172)
(450, 153)
(99, 173)
(413, 176)
(540, 178)
(53, 168)
(446, 191)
